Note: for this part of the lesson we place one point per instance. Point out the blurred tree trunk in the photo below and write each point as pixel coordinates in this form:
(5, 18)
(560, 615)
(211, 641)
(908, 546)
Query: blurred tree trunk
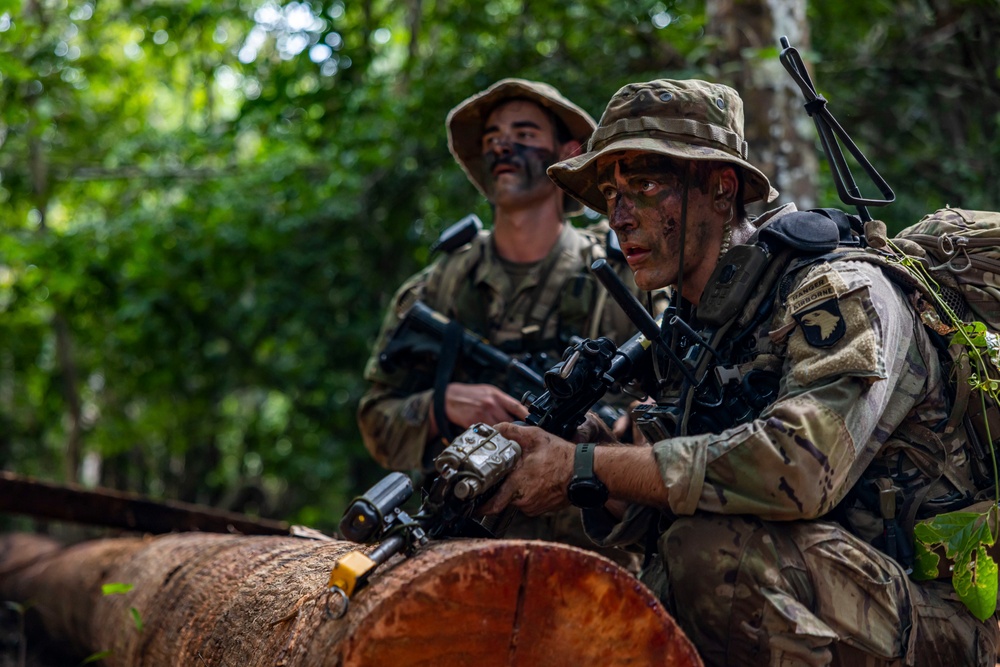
(780, 135)
(68, 372)
(232, 600)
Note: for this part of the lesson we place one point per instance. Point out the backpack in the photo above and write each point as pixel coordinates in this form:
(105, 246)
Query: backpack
(960, 250)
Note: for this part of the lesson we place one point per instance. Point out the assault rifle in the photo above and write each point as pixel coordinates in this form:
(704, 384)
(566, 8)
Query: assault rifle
(476, 462)
(424, 332)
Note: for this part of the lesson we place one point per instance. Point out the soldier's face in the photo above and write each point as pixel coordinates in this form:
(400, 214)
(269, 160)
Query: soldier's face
(644, 195)
(518, 145)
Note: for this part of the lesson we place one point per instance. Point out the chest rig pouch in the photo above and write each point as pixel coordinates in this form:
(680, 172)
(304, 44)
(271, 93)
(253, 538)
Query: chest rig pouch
(712, 381)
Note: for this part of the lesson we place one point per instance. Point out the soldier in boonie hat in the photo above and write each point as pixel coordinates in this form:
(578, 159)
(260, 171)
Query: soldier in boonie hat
(683, 138)
(467, 124)
(797, 394)
(524, 285)
(687, 120)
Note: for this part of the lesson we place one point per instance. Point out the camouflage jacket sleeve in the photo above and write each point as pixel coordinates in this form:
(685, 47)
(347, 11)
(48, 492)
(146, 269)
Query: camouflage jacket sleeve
(394, 425)
(855, 364)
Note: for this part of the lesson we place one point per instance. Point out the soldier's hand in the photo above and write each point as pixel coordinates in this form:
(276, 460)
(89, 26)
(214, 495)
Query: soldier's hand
(638, 437)
(593, 429)
(468, 404)
(538, 482)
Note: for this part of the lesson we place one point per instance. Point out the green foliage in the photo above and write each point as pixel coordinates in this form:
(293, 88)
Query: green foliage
(205, 206)
(137, 618)
(217, 199)
(116, 588)
(97, 657)
(963, 536)
(918, 86)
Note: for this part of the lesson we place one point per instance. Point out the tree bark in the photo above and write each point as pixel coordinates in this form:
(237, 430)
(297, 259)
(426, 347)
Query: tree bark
(204, 599)
(780, 135)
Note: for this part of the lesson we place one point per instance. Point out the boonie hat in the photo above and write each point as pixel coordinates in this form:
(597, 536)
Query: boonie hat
(466, 121)
(688, 120)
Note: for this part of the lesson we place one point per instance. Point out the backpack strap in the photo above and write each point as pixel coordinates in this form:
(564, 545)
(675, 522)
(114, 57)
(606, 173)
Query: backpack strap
(454, 272)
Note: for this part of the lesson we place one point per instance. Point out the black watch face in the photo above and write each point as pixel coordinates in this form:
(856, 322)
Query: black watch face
(587, 493)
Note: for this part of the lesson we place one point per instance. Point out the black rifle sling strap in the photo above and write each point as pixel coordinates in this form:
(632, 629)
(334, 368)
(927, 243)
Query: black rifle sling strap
(451, 346)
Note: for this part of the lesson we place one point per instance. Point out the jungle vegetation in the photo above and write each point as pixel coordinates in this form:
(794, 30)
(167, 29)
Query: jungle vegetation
(205, 205)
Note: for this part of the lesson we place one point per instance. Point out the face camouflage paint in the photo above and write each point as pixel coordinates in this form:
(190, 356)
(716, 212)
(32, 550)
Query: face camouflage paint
(527, 163)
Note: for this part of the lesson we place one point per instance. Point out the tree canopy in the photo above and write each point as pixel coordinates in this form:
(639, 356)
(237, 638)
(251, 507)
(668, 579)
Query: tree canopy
(205, 205)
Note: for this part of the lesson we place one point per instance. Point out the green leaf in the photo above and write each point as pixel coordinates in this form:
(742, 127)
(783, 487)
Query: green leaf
(136, 618)
(957, 532)
(116, 589)
(94, 657)
(975, 581)
(925, 566)
(965, 537)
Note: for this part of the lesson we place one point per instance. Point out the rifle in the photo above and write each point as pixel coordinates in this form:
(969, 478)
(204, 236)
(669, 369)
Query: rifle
(424, 331)
(476, 462)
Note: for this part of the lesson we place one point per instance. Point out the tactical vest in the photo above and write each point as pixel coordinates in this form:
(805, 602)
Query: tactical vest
(566, 300)
(735, 375)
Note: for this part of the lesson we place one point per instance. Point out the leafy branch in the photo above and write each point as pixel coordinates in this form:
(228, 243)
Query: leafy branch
(963, 537)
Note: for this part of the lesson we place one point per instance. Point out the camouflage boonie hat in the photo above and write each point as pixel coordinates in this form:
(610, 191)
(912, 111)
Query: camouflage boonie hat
(465, 124)
(688, 120)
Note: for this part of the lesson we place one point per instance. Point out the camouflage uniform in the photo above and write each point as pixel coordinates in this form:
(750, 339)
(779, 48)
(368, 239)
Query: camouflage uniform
(767, 557)
(472, 286)
(554, 299)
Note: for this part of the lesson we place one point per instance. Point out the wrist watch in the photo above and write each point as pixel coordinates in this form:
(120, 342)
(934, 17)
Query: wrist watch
(585, 490)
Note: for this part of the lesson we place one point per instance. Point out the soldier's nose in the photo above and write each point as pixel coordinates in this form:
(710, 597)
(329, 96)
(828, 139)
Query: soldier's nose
(620, 217)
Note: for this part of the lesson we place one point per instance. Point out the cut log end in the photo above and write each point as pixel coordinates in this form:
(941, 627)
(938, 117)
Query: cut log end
(262, 601)
(514, 602)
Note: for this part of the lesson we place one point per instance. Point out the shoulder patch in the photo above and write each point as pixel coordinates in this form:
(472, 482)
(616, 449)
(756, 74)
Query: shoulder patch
(822, 325)
(828, 285)
(832, 327)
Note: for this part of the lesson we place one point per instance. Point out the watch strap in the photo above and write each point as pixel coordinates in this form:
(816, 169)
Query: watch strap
(583, 462)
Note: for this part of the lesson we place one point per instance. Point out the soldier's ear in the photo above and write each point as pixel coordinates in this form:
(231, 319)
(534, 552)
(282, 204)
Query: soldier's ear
(727, 186)
(569, 149)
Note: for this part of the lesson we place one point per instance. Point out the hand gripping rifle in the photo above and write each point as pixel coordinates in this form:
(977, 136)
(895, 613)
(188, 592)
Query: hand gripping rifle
(476, 462)
(423, 331)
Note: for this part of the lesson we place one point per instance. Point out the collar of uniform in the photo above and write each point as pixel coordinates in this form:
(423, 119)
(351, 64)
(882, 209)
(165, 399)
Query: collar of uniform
(488, 272)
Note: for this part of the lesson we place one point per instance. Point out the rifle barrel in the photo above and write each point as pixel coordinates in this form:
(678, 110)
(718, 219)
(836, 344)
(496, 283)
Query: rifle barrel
(642, 320)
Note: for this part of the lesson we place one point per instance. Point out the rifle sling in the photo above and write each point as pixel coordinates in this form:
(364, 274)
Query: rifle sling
(451, 345)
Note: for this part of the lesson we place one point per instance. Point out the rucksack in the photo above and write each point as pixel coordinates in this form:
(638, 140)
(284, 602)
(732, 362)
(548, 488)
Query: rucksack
(960, 250)
(962, 253)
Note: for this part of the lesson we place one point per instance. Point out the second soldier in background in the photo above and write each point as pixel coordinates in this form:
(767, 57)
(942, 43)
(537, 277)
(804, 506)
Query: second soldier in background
(525, 286)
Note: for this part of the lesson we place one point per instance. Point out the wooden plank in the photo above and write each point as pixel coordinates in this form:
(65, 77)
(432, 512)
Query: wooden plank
(118, 509)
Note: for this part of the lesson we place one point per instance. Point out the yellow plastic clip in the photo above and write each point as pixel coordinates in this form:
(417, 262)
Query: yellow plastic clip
(348, 570)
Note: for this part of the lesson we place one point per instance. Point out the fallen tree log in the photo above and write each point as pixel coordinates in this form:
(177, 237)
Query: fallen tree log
(207, 599)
